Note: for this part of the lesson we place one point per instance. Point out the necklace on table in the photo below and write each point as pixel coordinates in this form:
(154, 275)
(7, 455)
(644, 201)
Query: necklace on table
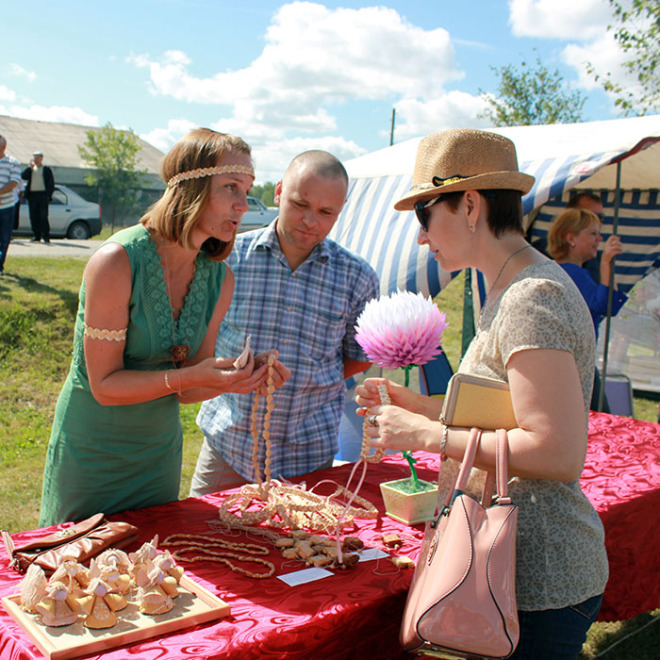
(214, 549)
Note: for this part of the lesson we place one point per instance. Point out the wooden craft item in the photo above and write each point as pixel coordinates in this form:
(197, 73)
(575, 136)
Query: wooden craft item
(194, 605)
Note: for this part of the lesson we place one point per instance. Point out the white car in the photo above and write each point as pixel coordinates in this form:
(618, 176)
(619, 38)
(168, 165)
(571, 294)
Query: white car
(69, 215)
(259, 215)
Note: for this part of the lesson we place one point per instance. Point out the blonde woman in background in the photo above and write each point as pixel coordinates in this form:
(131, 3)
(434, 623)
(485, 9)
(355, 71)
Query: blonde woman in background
(573, 239)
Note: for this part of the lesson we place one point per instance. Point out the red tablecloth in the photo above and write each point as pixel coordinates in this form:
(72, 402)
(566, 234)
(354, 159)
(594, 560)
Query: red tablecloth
(621, 478)
(356, 613)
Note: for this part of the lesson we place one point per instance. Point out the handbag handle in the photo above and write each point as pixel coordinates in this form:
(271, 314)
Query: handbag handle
(500, 477)
(501, 474)
(466, 466)
(502, 466)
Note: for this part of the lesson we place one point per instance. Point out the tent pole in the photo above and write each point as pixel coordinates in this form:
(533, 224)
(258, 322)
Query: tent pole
(610, 284)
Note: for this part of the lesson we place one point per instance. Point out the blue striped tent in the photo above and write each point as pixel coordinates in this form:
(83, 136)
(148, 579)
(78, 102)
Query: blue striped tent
(561, 157)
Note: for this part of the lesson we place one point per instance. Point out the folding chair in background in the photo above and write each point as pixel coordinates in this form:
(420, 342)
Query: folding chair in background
(434, 376)
(619, 393)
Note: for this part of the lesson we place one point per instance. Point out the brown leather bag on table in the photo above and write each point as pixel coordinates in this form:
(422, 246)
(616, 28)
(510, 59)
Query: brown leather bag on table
(81, 541)
(463, 596)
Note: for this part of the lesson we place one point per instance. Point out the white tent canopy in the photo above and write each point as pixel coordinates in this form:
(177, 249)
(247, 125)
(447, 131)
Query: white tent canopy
(559, 156)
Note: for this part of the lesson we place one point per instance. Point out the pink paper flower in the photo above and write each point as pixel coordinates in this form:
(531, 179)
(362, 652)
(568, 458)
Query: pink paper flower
(399, 330)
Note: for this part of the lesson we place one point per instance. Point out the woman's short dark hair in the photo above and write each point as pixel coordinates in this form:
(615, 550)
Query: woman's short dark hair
(504, 209)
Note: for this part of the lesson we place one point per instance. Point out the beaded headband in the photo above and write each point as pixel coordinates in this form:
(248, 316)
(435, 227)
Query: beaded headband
(209, 171)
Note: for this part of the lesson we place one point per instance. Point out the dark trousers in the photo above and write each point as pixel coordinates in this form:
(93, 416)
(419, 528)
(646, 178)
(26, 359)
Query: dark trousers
(38, 203)
(6, 227)
(556, 634)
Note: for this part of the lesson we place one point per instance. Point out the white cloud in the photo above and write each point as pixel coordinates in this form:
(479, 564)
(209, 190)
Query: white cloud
(14, 106)
(584, 24)
(603, 54)
(55, 113)
(272, 153)
(7, 94)
(165, 138)
(315, 59)
(581, 20)
(607, 59)
(452, 110)
(18, 70)
(272, 157)
(349, 53)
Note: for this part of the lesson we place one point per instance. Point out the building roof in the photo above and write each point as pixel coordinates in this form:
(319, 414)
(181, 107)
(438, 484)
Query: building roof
(59, 143)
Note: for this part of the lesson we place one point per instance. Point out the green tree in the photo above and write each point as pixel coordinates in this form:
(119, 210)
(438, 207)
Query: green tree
(531, 96)
(265, 192)
(637, 31)
(113, 155)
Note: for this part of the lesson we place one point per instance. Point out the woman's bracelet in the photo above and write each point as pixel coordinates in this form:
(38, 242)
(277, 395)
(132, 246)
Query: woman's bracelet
(168, 386)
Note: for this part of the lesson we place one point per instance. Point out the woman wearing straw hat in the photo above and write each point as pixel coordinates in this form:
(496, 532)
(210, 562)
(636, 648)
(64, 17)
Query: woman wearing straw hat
(536, 333)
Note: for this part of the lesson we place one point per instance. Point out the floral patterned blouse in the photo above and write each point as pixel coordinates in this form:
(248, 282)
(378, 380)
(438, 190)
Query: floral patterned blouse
(561, 557)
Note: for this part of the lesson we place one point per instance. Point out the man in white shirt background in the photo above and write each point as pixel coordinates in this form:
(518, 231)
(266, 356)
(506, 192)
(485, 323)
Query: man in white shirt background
(38, 192)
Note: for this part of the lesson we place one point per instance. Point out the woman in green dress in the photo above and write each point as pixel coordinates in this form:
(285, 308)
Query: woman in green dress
(151, 302)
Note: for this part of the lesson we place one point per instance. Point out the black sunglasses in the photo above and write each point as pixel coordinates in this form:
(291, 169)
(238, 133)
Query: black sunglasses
(423, 212)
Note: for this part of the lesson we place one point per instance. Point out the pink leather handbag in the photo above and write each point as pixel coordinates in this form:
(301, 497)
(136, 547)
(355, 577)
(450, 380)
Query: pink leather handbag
(463, 596)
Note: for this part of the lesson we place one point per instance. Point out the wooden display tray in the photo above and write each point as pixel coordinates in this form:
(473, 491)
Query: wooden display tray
(192, 606)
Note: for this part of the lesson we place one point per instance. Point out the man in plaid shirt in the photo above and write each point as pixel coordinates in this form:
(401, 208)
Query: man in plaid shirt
(300, 293)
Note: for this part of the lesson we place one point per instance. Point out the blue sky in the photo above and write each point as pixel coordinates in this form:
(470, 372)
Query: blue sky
(290, 76)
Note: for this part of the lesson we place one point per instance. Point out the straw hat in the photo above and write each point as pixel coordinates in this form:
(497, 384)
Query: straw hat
(464, 159)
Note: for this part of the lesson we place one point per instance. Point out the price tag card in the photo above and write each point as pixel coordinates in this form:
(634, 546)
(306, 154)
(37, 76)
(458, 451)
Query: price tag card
(304, 576)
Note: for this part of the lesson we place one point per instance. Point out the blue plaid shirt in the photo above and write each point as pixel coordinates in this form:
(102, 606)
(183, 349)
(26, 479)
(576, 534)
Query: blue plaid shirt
(309, 316)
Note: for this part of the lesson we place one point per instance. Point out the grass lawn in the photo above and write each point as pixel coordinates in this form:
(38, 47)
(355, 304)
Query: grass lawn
(38, 300)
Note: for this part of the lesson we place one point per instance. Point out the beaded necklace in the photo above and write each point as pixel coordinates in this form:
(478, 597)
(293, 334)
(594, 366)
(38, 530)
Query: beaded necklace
(365, 456)
(378, 452)
(179, 353)
(215, 549)
(270, 406)
(286, 505)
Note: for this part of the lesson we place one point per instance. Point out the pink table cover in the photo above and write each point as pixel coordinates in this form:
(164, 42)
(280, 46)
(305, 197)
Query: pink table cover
(357, 612)
(621, 478)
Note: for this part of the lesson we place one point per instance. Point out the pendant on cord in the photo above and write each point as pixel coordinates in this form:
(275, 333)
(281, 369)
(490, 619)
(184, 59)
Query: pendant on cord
(179, 354)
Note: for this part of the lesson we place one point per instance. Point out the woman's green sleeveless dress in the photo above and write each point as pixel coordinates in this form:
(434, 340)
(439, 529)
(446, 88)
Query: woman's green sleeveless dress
(114, 458)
